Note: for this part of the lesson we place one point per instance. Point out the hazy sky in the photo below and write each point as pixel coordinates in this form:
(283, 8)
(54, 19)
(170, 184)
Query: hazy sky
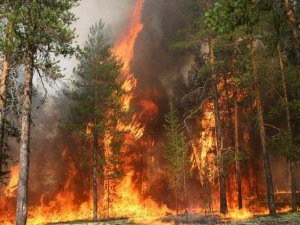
(112, 12)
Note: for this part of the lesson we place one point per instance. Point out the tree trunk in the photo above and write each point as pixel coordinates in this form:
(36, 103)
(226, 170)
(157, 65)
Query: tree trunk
(222, 180)
(22, 196)
(236, 138)
(95, 186)
(2, 152)
(237, 152)
(262, 132)
(293, 185)
(291, 20)
(96, 152)
(185, 195)
(3, 94)
(292, 23)
(108, 197)
(289, 131)
(177, 196)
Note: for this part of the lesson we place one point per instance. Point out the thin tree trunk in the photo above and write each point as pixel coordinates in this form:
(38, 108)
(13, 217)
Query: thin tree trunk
(262, 132)
(185, 193)
(95, 186)
(3, 94)
(236, 139)
(237, 152)
(185, 196)
(108, 197)
(177, 195)
(95, 153)
(289, 130)
(2, 152)
(210, 200)
(292, 23)
(22, 196)
(222, 180)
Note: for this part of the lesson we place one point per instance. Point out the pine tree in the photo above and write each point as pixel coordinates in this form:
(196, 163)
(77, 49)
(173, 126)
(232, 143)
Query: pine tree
(97, 109)
(200, 40)
(176, 154)
(226, 17)
(43, 28)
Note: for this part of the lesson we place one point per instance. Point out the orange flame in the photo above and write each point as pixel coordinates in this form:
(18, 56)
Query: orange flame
(13, 182)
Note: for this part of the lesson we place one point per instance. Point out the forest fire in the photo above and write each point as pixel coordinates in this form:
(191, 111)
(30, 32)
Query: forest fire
(153, 166)
(129, 202)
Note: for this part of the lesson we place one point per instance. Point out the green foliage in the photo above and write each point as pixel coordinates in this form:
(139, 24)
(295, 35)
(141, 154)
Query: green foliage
(97, 107)
(176, 149)
(227, 15)
(43, 30)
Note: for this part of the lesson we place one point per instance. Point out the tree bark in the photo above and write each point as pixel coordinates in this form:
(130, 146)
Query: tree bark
(3, 87)
(95, 186)
(289, 131)
(236, 138)
(96, 152)
(3, 94)
(22, 196)
(237, 152)
(185, 191)
(292, 23)
(222, 180)
(177, 196)
(291, 19)
(262, 133)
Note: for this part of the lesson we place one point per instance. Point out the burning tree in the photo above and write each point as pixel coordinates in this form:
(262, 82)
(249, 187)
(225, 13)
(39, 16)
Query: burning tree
(97, 111)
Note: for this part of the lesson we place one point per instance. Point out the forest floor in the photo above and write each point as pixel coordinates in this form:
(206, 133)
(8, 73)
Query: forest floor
(288, 218)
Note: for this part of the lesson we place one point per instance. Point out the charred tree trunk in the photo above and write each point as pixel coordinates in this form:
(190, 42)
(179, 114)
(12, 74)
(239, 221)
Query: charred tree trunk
(289, 131)
(222, 179)
(262, 133)
(22, 196)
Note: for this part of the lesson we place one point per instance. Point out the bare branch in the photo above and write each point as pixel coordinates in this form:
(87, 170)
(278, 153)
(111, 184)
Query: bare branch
(193, 113)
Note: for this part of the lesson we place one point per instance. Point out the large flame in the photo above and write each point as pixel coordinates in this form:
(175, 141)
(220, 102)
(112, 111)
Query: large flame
(128, 201)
